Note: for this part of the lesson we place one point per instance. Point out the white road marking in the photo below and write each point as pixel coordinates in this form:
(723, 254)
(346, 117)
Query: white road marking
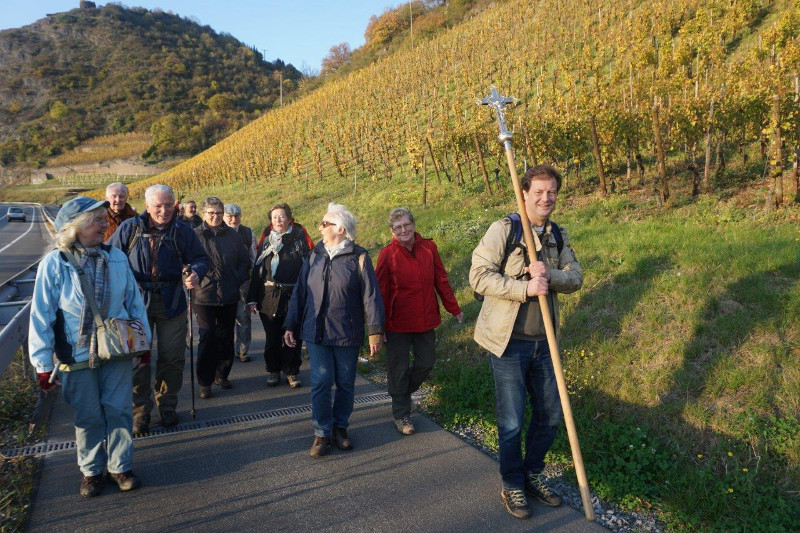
(33, 219)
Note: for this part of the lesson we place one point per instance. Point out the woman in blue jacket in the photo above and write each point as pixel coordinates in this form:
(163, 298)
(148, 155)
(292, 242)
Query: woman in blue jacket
(336, 295)
(62, 323)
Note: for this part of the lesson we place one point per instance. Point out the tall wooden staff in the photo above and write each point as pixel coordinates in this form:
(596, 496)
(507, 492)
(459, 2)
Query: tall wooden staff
(532, 243)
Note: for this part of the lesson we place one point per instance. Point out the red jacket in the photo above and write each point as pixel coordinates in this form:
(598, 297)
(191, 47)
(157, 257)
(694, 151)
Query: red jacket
(409, 282)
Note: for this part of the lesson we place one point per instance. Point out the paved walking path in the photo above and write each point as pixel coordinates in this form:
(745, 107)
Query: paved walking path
(226, 471)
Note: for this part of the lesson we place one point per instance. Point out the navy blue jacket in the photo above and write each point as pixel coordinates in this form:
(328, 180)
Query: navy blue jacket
(334, 299)
(170, 266)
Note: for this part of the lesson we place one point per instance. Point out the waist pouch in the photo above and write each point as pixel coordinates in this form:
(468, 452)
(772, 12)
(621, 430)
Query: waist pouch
(276, 299)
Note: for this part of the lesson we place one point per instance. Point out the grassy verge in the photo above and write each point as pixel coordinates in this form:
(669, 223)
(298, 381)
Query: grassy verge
(681, 350)
(17, 399)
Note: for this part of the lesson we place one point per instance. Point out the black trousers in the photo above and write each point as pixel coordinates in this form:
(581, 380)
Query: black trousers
(405, 377)
(215, 324)
(277, 356)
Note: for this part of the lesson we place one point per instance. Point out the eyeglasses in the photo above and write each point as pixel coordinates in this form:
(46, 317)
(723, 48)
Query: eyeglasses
(326, 223)
(401, 227)
(100, 220)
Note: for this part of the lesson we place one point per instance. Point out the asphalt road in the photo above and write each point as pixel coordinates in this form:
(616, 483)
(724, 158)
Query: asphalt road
(21, 243)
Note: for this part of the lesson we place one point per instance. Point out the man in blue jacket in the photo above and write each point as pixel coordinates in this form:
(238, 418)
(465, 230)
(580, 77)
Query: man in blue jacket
(161, 250)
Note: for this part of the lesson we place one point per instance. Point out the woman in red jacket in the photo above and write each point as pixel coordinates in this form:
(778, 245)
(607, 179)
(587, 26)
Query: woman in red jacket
(410, 275)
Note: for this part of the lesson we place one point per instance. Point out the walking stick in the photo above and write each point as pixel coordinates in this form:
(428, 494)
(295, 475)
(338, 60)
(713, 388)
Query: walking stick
(532, 243)
(190, 295)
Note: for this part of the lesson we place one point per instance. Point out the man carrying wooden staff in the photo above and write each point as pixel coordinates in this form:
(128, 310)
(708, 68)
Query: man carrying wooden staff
(520, 331)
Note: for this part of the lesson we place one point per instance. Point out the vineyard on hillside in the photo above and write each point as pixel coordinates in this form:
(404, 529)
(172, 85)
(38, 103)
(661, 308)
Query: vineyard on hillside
(600, 82)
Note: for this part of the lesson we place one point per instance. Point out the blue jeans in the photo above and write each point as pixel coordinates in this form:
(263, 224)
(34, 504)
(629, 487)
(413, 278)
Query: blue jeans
(101, 398)
(524, 373)
(332, 365)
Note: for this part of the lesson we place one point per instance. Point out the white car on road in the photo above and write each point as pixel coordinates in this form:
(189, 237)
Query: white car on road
(16, 213)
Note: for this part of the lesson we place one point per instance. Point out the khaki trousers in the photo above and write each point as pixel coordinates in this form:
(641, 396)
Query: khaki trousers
(171, 334)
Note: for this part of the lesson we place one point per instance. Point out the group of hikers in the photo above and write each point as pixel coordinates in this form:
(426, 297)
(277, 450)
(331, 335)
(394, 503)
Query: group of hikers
(145, 270)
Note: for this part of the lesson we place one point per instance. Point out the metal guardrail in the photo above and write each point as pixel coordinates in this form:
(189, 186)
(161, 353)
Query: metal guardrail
(15, 315)
(13, 336)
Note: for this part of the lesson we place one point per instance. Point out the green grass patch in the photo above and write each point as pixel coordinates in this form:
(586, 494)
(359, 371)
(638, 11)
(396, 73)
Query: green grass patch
(17, 399)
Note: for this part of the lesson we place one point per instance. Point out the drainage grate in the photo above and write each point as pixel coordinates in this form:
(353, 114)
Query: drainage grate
(45, 449)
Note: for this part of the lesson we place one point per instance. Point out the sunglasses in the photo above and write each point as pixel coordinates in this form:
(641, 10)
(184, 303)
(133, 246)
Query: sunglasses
(325, 224)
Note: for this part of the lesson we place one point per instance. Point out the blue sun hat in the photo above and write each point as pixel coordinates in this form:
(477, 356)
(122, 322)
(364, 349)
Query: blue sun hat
(71, 209)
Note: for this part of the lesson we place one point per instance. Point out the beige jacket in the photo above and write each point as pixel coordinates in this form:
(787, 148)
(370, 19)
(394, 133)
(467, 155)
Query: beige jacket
(505, 292)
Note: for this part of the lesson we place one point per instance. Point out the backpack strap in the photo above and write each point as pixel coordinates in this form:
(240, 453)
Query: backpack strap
(513, 239)
(136, 234)
(556, 231)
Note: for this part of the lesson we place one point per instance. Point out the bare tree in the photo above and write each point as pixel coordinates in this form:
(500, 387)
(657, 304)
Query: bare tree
(338, 55)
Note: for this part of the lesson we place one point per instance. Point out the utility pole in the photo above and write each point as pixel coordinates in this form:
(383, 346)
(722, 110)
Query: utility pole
(281, 74)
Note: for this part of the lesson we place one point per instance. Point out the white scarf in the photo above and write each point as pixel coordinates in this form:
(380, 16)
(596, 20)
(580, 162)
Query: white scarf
(336, 250)
(275, 240)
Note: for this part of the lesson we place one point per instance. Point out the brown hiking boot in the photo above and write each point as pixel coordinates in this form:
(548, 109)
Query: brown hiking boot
(141, 425)
(92, 486)
(244, 358)
(320, 447)
(340, 439)
(126, 480)
(515, 503)
(536, 488)
(223, 383)
(404, 425)
(293, 381)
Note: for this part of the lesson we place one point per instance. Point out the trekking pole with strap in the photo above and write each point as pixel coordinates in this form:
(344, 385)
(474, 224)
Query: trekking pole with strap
(190, 296)
(498, 102)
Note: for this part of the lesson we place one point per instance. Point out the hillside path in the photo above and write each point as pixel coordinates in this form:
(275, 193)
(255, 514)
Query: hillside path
(226, 471)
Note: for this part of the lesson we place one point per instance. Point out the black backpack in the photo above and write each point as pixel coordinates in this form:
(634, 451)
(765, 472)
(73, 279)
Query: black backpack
(514, 239)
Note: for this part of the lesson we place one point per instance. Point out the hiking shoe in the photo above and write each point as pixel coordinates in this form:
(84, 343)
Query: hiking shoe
(92, 486)
(320, 447)
(293, 381)
(404, 425)
(169, 419)
(244, 358)
(515, 503)
(141, 425)
(126, 480)
(536, 488)
(340, 439)
(205, 392)
(223, 383)
(273, 378)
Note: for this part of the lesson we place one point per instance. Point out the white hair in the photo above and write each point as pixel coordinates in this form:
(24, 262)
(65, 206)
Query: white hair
(344, 218)
(158, 189)
(68, 233)
(117, 185)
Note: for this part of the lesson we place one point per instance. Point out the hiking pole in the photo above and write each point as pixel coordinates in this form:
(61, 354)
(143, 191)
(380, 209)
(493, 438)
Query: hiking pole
(190, 295)
(532, 243)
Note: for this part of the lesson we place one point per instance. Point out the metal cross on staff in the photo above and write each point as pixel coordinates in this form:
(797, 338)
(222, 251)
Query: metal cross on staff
(532, 243)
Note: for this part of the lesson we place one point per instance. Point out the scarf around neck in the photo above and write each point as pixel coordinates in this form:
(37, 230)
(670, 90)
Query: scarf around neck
(93, 262)
(336, 250)
(275, 240)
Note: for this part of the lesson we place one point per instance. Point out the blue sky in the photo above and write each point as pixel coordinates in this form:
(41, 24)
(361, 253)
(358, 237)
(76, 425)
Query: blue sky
(298, 33)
